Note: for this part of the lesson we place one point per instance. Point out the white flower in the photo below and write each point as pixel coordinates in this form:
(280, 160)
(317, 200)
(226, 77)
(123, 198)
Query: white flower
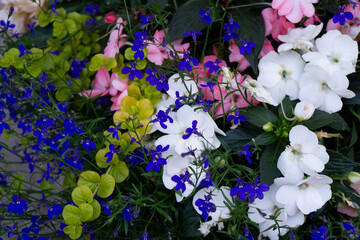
(335, 52)
(262, 212)
(184, 121)
(258, 91)
(279, 74)
(304, 110)
(306, 195)
(185, 87)
(299, 38)
(304, 155)
(324, 90)
(221, 211)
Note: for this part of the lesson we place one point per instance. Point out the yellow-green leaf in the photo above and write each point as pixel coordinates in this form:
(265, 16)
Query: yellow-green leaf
(90, 179)
(82, 194)
(107, 186)
(120, 172)
(71, 214)
(70, 26)
(74, 231)
(96, 210)
(86, 211)
(101, 159)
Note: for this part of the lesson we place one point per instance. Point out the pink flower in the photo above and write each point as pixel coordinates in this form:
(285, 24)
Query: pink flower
(158, 51)
(345, 209)
(235, 55)
(351, 27)
(116, 40)
(295, 10)
(110, 17)
(275, 24)
(312, 21)
(117, 100)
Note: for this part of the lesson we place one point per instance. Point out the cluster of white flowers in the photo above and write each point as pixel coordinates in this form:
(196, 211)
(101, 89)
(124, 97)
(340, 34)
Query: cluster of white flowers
(301, 191)
(313, 71)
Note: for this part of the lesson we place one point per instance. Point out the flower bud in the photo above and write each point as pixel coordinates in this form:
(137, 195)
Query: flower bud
(304, 110)
(268, 127)
(110, 17)
(353, 177)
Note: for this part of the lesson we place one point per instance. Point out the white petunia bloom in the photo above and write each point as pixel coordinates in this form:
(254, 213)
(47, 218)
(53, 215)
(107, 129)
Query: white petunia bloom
(335, 52)
(324, 90)
(185, 87)
(299, 38)
(190, 130)
(306, 195)
(221, 211)
(262, 212)
(304, 155)
(304, 110)
(279, 74)
(258, 91)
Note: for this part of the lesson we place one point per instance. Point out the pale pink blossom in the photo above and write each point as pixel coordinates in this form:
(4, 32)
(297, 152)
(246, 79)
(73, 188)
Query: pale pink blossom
(158, 51)
(295, 10)
(116, 40)
(274, 24)
(314, 20)
(345, 209)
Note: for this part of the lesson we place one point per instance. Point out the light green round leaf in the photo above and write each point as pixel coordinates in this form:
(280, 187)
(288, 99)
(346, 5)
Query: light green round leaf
(111, 63)
(141, 64)
(82, 194)
(71, 214)
(63, 94)
(129, 54)
(96, 210)
(107, 186)
(86, 211)
(70, 26)
(44, 18)
(97, 61)
(90, 179)
(74, 231)
(58, 29)
(101, 159)
(120, 172)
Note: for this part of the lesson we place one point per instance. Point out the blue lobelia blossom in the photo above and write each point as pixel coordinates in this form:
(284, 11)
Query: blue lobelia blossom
(17, 205)
(210, 85)
(162, 117)
(115, 131)
(256, 189)
(205, 16)
(137, 156)
(181, 180)
(191, 130)
(207, 104)
(246, 46)
(5, 25)
(354, 4)
(145, 21)
(205, 161)
(231, 25)
(192, 34)
(145, 236)
(92, 9)
(3, 179)
(207, 181)
(140, 37)
(87, 144)
(132, 71)
(109, 155)
(237, 118)
(351, 230)
(320, 234)
(151, 74)
(31, 28)
(246, 153)
(156, 159)
(205, 206)
(160, 83)
(247, 234)
(107, 208)
(127, 215)
(342, 16)
(229, 35)
(53, 10)
(53, 211)
(185, 63)
(22, 50)
(77, 67)
(90, 23)
(213, 66)
(71, 128)
(239, 191)
(44, 122)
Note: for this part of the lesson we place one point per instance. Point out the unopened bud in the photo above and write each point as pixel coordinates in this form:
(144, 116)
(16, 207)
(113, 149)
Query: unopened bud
(268, 127)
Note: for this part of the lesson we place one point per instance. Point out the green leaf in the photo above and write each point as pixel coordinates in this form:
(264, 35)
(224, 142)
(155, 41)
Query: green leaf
(96, 210)
(58, 29)
(97, 61)
(260, 116)
(101, 159)
(86, 211)
(82, 194)
(111, 63)
(158, 3)
(268, 164)
(252, 28)
(71, 214)
(186, 18)
(107, 186)
(63, 94)
(190, 220)
(18, 182)
(119, 171)
(90, 179)
(164, 213)
(288, 107)
(237, 138)
(338, 164)
(44, 18)
(320, 119)
(74, 231)
(354, 85)
(266, 138)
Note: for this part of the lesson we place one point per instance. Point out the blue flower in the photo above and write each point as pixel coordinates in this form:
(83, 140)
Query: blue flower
(160, 83)
(256, 190)
(192, 34)
(151, 74)
(140, 37)
(206, 18)
(127, 215)
(6, 25)
(145, 237)
(162, 117)
(145, 20)
(229, 35)
(132, 71)
(191, 130)
(181, 180)
(246, 46)
(92, 9)
(354, 4)
(185, 63)
(115, 131)
(88, 144)
(31, 28)
(342, 16)
(239, 191)
(231, 25)
(156, 159)
(237, 118)
(55, 210)
(205, 103)
(350, 228)
(213, 66)
(205, 206)
(137, 156)
(246, 153)
(22, 50)
(17, 205)
(109, 155)
(71, 128)
(210, 85)
(53, 10)
(207, 181)
(247, 234)
(77, 67)
(320, 234)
